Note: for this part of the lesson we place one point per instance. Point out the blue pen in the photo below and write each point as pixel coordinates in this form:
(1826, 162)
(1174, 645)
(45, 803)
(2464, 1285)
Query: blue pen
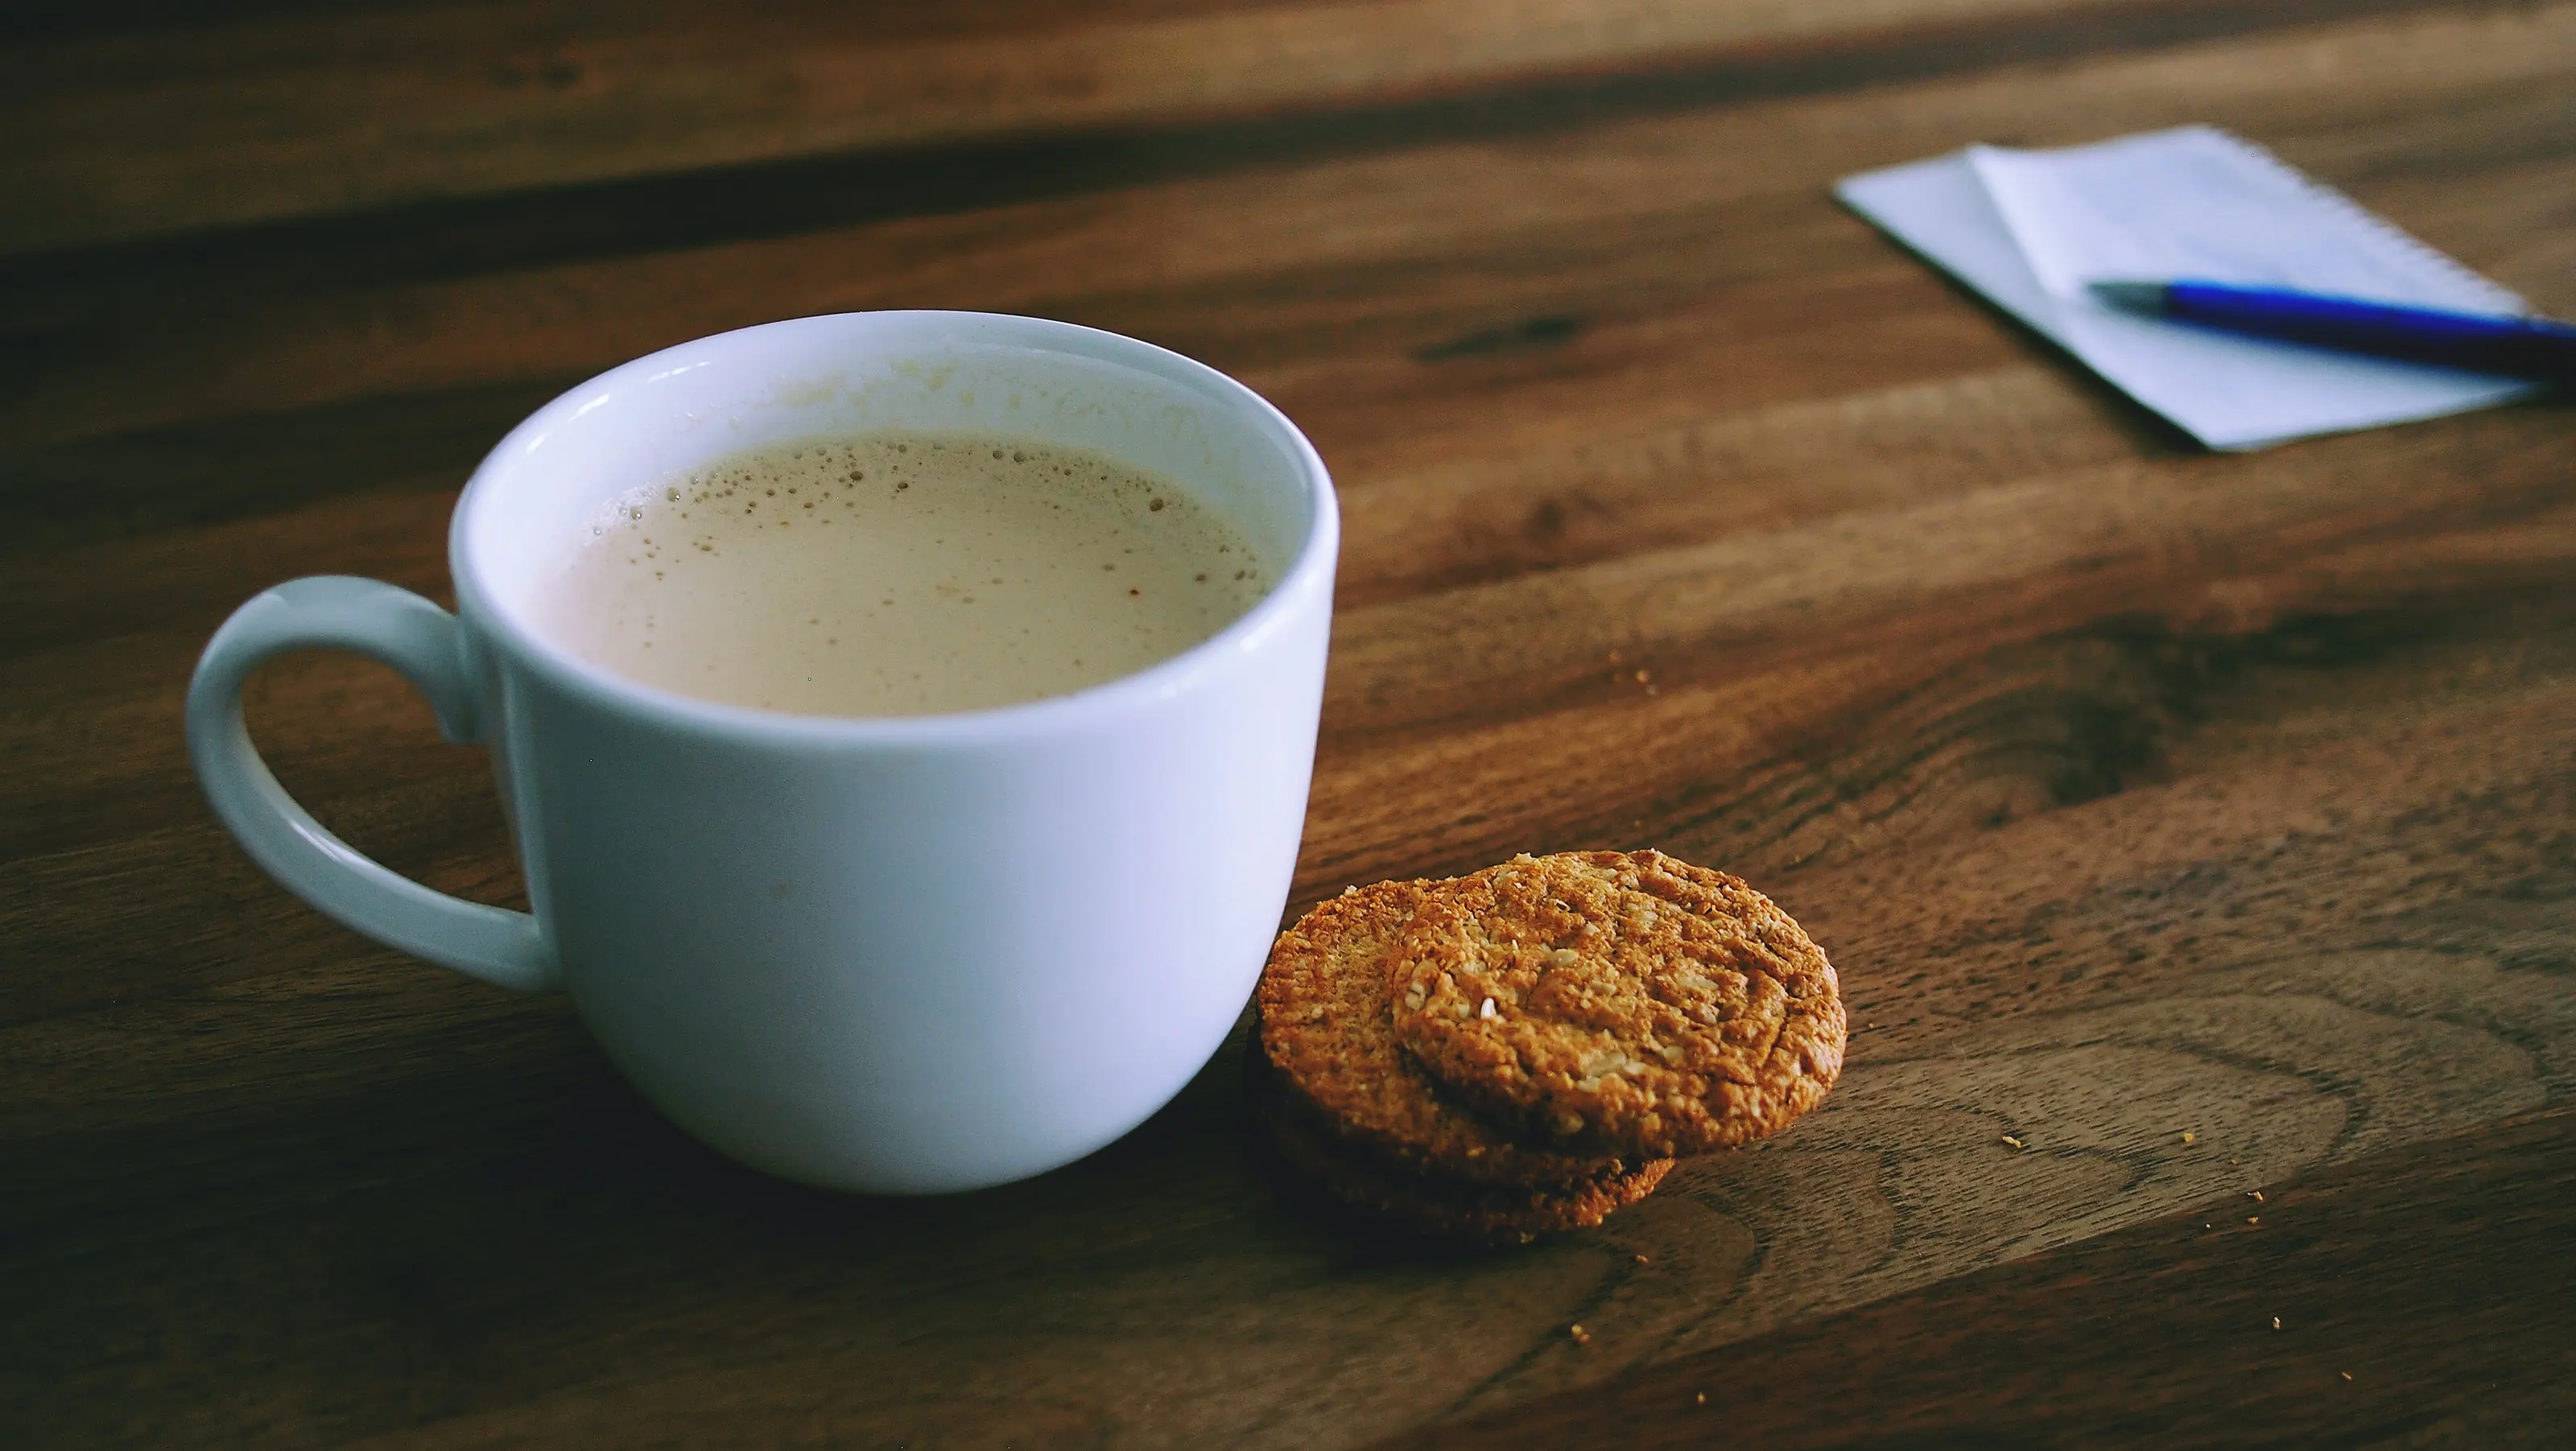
(2526, 347)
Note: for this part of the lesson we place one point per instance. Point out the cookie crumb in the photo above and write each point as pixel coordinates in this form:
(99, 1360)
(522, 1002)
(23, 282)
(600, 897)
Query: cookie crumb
(2016, 1143)
(2347, 1375)
(1641, 1259)
(2254, 1194)
(2276, 1322)
(1702, 1398)
(2253, 1219)
(2188, 1136)
(1581, 1335)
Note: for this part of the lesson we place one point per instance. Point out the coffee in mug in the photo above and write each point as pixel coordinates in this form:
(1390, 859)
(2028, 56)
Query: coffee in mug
(899, 573)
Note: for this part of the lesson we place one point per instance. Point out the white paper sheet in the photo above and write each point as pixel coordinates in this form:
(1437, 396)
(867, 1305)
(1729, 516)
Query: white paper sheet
(2030, 228)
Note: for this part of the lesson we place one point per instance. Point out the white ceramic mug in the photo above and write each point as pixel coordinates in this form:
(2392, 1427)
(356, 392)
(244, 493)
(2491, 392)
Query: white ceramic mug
(899, 955)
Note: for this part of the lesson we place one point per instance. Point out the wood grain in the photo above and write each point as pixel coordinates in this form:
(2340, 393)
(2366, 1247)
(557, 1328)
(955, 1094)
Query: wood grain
(287, 117)
(1298, 277)
(2289, 1315)
(2136, 791)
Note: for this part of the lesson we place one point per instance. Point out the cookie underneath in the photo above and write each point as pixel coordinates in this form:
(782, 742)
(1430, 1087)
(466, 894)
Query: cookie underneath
(1415, 1206)
(1325, 1028)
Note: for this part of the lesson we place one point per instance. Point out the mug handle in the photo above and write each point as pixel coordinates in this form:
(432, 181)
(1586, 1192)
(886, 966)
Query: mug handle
(427, 644)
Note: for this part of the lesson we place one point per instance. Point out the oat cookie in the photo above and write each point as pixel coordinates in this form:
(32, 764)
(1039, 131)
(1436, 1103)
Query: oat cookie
(1619, 1003)
(1424, 1207)
(1325, 1028)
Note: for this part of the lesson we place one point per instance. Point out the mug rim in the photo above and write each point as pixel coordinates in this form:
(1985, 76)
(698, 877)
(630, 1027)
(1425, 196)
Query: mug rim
(1309, 572)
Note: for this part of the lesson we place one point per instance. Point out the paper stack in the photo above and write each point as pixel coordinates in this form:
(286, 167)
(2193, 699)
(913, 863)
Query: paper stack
(2030, 228)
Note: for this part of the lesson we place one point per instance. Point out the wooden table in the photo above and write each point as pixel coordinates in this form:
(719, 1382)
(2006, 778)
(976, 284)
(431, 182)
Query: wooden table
(2205, 824)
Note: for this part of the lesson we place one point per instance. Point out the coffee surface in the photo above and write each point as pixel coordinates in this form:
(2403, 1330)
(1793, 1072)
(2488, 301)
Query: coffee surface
(899, 573)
